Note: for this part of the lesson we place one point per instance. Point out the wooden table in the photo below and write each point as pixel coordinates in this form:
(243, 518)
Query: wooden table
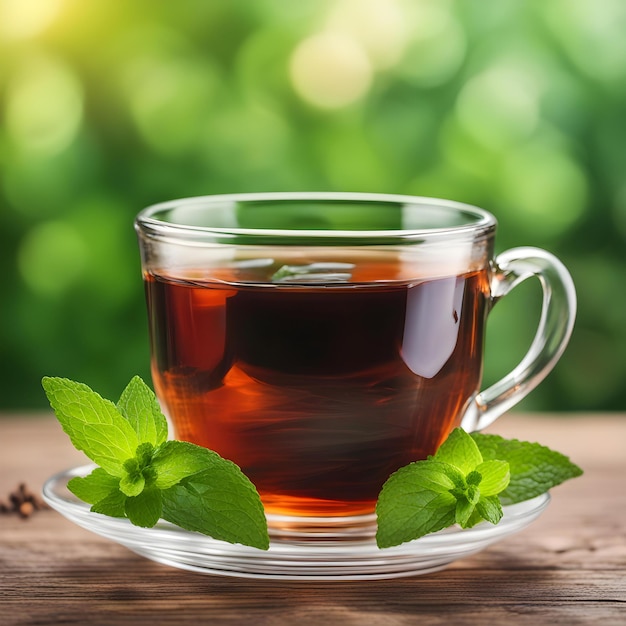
(569, 567)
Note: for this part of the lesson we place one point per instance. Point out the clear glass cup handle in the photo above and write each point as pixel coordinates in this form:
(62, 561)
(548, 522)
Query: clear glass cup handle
(555, 328)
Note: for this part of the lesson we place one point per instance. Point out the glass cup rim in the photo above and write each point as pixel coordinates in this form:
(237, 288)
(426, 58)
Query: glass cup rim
(479, 221)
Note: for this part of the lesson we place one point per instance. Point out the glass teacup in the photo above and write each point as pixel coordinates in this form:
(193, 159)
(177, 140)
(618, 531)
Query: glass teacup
(323, 340)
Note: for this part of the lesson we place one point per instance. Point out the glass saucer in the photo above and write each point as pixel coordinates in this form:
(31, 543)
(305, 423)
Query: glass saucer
(289, 559)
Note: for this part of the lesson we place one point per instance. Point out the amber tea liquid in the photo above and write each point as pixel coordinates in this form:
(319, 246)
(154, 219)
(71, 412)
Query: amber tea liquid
(318, 392)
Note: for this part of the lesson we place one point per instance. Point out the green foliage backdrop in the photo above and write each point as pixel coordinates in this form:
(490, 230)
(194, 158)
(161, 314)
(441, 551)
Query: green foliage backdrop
(107, 106)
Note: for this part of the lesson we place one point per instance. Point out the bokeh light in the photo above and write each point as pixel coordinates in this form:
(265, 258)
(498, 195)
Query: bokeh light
(437, 44)
(52, 257)
(170, 92)
(380, 26)
(543, 189)
(44, 105)
(592, 34)
(23, 19)
(331, 70)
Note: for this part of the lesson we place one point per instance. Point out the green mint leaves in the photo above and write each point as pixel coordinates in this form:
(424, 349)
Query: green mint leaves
(454, 485)
(534, 468)
(465, 482)
(314, 273)
(145, 477)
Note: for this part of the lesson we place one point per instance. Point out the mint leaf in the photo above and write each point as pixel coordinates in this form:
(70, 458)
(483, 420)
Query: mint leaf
(463, 511)
(145, 509)
(175, 460)
(430, 474)
(460, 451)
(490, 509)
(495, 477)
(474, 478)
(140, 407)
(314, 272)
(93, 487)
(132, 483)
(101, 490)
(113, 505)
(93, 424)
(220, 502)
(144, 477)
(454, 485)
(534, 468)
(466, 482)
(415, 501)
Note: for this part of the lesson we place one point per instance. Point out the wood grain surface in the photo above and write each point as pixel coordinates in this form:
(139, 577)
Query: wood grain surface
(569, 567)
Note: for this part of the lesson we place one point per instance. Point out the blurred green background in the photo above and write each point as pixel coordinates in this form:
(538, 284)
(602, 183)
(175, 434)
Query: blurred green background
(106, 106)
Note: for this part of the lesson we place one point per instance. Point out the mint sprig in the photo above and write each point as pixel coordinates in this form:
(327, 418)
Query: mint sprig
(454, 485)
(465, 482)
(534, 468)
(143, 476)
